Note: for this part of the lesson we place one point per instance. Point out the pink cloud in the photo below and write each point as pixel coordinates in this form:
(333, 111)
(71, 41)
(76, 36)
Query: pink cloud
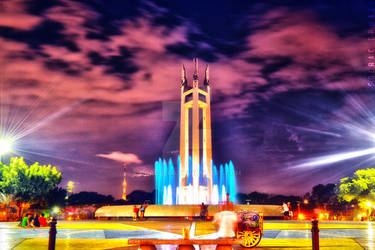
(229, 76)
(142, 171)
(301, 37)
(13, 16)
(122, 157)
(12, 20)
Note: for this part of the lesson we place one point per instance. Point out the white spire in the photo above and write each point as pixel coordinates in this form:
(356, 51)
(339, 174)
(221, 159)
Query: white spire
(207, 76)
(195, 68)
(183, 75)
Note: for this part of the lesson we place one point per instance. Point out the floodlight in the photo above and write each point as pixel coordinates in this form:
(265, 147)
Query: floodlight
(5, 146)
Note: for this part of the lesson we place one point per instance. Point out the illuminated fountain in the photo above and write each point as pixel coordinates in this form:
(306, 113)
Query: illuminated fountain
(193, 178)
(168, 186)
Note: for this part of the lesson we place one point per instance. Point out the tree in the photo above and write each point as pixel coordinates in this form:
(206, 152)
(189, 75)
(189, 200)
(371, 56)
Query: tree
(88, 198)
(258, 198)
(279, 199)
(27, 183)
(360, 187)
(56, 197)
(70, 186)
(140, 196)
(322, 194)
(242, 198)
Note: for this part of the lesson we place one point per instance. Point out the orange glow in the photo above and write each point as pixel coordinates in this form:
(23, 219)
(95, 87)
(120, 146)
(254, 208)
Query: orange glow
(321, 216)
(69, 218)
(305, 201)
(301, 216)
(4, 213)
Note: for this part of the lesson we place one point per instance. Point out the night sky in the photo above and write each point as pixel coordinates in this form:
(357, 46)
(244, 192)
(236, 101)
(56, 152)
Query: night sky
(88, 85)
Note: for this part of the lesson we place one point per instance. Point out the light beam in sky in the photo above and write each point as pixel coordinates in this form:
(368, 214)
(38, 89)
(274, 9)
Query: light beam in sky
(49, 118)
(356, 123)
(324, 160)
(14, 127)
(317, 131)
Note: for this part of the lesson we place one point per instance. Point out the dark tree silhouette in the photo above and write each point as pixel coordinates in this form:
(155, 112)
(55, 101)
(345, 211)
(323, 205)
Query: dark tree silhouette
(88, 198)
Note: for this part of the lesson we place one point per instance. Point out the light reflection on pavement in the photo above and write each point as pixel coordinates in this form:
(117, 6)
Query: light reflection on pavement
(362, 233)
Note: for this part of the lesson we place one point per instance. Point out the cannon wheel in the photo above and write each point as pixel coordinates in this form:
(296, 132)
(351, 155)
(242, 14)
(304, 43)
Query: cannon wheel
(249, 238)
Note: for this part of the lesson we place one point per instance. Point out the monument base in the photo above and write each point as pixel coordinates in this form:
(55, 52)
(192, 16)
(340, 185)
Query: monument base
(164, 211)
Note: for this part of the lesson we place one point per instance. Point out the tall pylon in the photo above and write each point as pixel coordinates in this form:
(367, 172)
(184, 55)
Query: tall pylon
(124, 184)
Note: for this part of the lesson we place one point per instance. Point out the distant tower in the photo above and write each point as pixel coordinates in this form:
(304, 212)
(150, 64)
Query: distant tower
(195, 108)
(124, 185)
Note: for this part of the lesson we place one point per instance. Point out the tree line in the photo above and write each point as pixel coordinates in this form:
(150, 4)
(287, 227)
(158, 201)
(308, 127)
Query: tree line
(37, 185)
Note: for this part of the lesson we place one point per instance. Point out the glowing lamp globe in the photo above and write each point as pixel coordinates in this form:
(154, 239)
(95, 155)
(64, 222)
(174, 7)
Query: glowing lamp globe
(5, 146)
(368, 204)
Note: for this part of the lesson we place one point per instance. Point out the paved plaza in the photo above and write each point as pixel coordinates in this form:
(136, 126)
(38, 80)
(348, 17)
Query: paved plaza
(114, 234)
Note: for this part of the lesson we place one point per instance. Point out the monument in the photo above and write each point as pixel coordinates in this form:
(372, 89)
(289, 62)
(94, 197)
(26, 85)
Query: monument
(197, 100)
(197, 178)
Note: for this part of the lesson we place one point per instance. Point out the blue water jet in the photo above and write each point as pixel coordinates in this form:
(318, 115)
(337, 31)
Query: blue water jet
(221, 182)
(167, 180)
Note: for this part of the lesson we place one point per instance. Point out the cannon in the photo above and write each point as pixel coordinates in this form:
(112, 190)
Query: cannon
(249, 228)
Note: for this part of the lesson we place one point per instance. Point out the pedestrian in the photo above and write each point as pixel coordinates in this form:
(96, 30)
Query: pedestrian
(135, 213)
(227, 221)
(26, 221)
(203, 211)
(143, 208)
(35, 221)
(290, 215)
(285, 211)
(43, 220)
